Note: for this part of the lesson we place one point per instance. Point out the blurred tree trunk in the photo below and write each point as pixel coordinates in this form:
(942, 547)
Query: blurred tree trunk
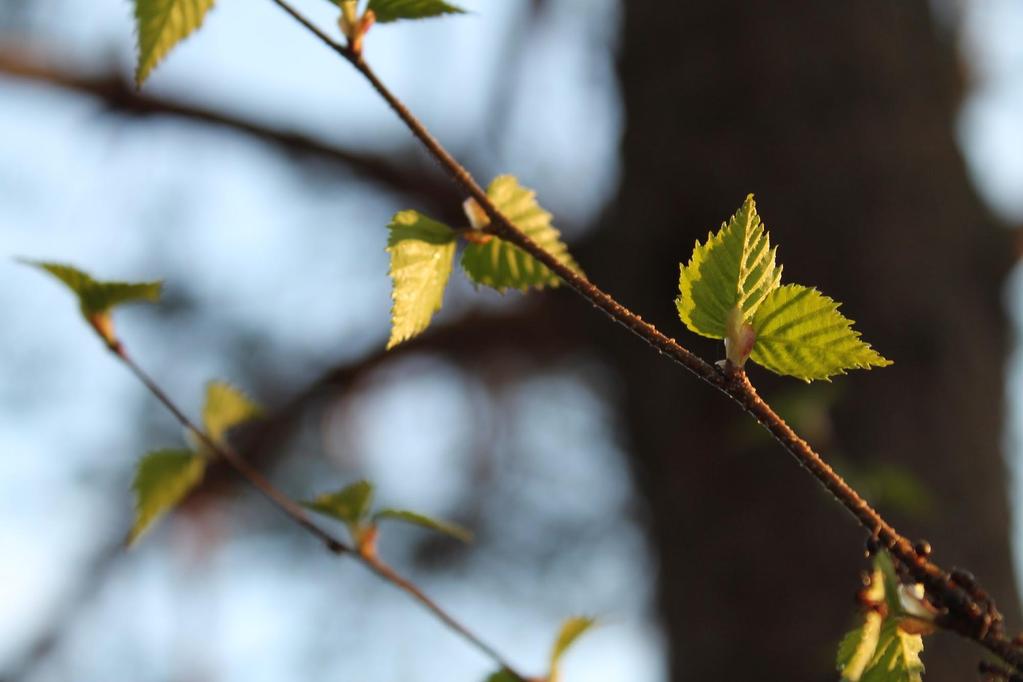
(840, 117)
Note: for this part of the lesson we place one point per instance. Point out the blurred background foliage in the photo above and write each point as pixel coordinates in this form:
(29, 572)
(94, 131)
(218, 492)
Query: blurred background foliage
(256, 173)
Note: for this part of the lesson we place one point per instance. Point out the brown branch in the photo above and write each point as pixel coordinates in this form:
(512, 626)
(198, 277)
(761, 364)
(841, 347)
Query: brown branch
(297, 514)
(972, 618)
(401, 173)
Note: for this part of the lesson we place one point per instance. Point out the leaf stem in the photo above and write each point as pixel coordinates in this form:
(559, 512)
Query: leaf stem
(297, 513)
(967, 616)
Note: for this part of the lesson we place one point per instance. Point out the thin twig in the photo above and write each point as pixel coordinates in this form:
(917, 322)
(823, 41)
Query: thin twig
(966, 615)
(297, 514)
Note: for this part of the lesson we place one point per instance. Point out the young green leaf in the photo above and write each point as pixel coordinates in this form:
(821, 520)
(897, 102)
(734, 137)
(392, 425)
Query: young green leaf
(501, 265)
(733, 270)
(163, 479)
(226, 407)
(350, 504)
(393, 10)
(897, 658)
(799, 332)
(884, 648)
(857, 648)
(571, 630)
(422, 251)
(96, 298)
(415, 518)
(162, 24)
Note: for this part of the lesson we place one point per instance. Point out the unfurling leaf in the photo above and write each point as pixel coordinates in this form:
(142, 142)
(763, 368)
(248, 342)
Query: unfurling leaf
(799, 332)
(422, 251)
(162, 24)
(162, 480)
(226, 407)
(393, 10)
(732, 271)
(887, 647)
(447, 528)
(498, 264)
(95, 298)
(350, 504)
(571, 630)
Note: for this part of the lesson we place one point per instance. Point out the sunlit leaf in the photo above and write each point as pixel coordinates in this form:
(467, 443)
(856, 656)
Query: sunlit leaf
(856, 651)
(163, 478)
(882, 649)
(897, 658)
(350, 504)
(733, 270)
(422, 251)
(162, 24)
(393, 10)
(571, 630)
(226, 407)
(799, 332)
(95, 298)
(445, 527)
(498, 264)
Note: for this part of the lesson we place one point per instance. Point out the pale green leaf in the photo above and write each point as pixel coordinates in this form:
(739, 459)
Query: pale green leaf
(393, 10)
(226, 407)
(162, 480)
(799, 332)
(422, 251)
(350, 504)
(890, 581)
(445, 527)
(856, 650)
(734, 269)
(162, 24)
(571, 630)
(503, 266)
(897, 658)
(880, 650)
(95, 296)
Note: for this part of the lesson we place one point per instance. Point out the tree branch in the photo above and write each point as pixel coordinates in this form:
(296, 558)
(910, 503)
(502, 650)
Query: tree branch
(297, 514)
(967, 613)
(401, 173)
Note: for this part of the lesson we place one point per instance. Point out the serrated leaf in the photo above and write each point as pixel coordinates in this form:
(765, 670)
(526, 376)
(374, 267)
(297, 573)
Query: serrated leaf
(734, 269)
(226, 407)
(857, 648)
(503, 266)
(95, 296)
(393, 10)
(897, 658)
(163, 478)
(424, 521)
(422, 251)
(350, 504)
(800, 333)
(162, 24)
(571, 630)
